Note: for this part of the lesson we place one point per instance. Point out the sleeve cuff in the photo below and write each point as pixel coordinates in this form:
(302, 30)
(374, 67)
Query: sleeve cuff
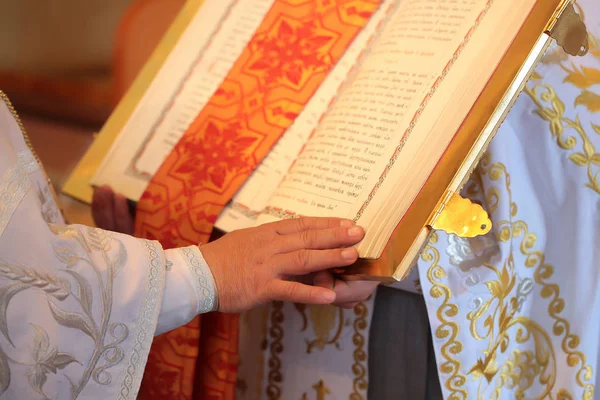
(190, 289)
(201, 276)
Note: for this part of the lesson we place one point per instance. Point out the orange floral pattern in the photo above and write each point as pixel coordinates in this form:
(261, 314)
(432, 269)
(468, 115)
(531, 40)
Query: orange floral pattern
(221, 152)
(292, 53)
(293, 50)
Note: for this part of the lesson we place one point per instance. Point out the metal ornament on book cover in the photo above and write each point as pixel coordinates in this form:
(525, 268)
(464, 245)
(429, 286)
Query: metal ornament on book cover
(458, 215)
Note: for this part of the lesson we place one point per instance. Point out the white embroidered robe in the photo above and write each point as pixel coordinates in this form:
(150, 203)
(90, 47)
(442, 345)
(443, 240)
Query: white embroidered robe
(79, 306)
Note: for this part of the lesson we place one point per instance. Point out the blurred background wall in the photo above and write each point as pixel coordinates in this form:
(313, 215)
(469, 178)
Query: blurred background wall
(66, 63)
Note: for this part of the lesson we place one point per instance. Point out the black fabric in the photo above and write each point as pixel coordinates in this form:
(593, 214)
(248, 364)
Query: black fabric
(401, 357)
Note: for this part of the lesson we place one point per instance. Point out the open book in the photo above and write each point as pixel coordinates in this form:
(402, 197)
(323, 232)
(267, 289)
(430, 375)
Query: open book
(394, 128)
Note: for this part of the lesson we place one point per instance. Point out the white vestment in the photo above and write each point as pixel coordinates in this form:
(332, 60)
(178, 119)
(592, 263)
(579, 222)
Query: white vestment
(515, 314)
(79, 306)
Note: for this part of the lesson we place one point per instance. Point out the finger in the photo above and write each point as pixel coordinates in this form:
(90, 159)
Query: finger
(103, 208)
(304, 262)
(324, 279)
(294, 225)
(123, 220)
(298, 293)
(348, 306)
(319, 239)
(353, 291)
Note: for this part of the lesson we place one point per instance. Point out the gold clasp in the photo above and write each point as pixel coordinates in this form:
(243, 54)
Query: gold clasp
(569, 30)
(461, 217)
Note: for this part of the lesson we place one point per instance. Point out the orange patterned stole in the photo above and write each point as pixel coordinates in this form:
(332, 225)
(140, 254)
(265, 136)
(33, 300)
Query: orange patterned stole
(292, 51)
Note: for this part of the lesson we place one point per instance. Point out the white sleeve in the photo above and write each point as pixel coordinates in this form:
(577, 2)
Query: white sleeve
(189, 289)
(79, 306)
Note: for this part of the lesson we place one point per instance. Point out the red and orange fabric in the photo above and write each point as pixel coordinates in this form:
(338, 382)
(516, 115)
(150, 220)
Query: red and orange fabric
(292, 51)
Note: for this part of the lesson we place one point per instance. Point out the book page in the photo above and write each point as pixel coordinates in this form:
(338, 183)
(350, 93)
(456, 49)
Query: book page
(194, 70)
(436, 123)
(378, 145)
(254, 195)
(352, 146)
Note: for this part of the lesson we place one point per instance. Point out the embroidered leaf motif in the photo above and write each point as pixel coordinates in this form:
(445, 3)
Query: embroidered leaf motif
(69, 232)
(579, 159)
(590, 100)
(535, 76)
(46, 362)
(40, 343)
(84, 291)
(99, 239)
(4, 373)
(61, 360)
(558, 105)
(588, 148)
(494, 288)
(120, 260)
(71, 320)
(596, 159)
(66, 255)
(37, 378)
(583, 78)
(6, 294)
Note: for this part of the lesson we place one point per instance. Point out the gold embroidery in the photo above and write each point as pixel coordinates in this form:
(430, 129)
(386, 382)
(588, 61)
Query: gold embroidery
(552, 109)
(360, 355)
(448, 329)
(276, 333)
(584, 78)
(323, 320)
(261, 359)
(503, 324)
(301, 308)
(321, 389)
(554, 114)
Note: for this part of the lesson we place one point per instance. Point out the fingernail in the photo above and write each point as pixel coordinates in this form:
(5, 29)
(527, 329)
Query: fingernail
(349, 254)
(355, 231)
(329, 296)
(346, 223)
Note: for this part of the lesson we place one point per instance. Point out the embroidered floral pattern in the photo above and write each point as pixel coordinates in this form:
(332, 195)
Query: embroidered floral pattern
(74, 283)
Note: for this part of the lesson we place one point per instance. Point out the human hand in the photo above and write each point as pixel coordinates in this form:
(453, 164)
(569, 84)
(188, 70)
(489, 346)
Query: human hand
(111, 211)
(348, 293)
(257, 265)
